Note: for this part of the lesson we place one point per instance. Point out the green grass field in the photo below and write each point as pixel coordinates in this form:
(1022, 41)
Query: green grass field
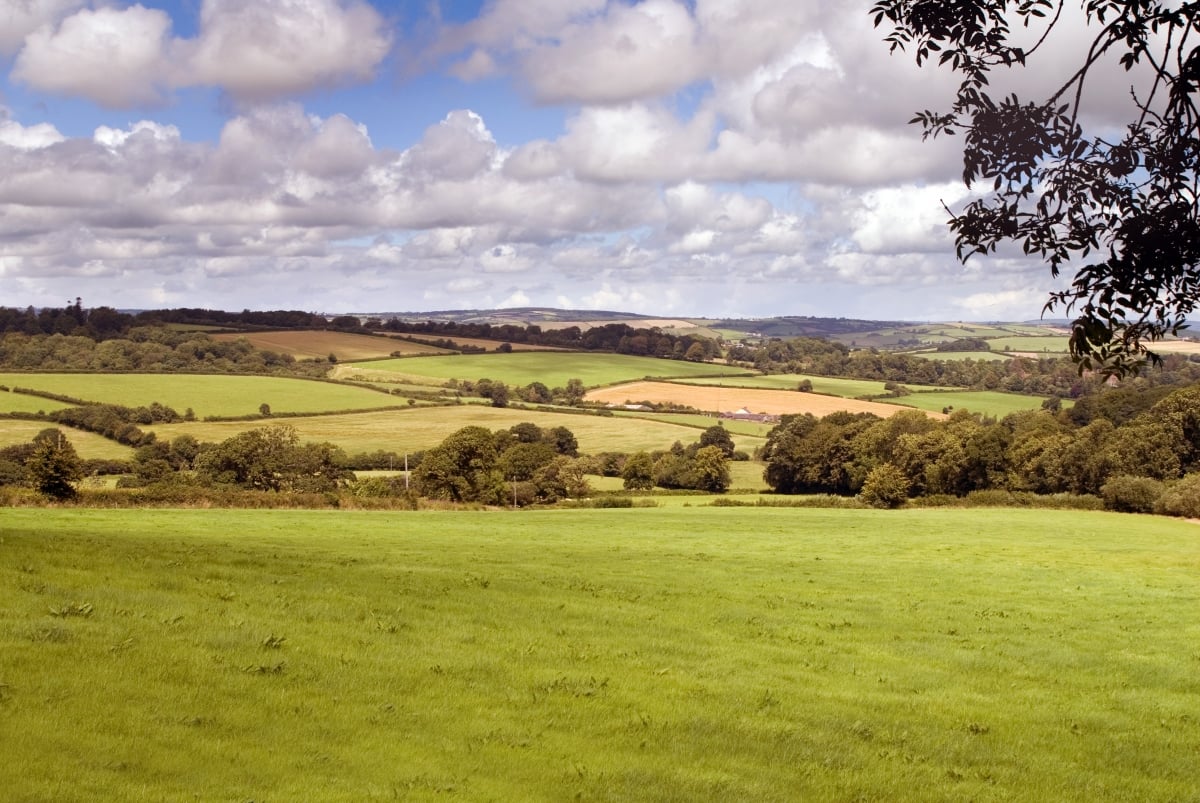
(416, 429)
(948, 356)
(968, 330)
(1053, 345)
(553, 369)
(700, 421)
(987, 402)
(24, 403)
(671, 654)
(832, 386)
(319, 344)
(207, 395)
(88, 445)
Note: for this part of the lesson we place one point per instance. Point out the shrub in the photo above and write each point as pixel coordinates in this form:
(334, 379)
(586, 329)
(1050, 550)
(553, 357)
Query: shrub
(1126, 494)
(1181, 499)
(886, 487)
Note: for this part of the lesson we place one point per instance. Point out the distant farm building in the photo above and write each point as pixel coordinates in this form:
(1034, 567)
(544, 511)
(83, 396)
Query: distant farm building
(745, 415)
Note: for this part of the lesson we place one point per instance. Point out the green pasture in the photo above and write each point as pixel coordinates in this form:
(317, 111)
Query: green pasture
(24, 403)
(752, 429)
(967, 330)
(417, 429)
(988, 402)
(1030, 329)
(831, 386)
(951, 356)
(652, 654)
(1052, 345)
(551, 368)
(207, 395)
(88, 445)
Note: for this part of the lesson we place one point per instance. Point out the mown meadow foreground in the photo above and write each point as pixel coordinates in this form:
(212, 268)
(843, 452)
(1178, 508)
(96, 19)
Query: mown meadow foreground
(651, 654)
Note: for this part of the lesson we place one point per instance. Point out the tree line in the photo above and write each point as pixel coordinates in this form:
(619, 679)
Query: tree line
(1150, 453)
(1046, 376)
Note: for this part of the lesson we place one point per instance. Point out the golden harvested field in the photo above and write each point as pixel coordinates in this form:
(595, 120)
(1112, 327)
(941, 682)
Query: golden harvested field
(1175, 347)
(319, 344)
(775, 402)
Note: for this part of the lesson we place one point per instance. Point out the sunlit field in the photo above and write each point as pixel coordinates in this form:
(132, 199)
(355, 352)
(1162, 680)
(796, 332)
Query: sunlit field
(87, 445)
(1053, 346)
(319, 344)
(722, 399)
(24, 403)
(660, 654)
(553, 369)
(987, 402)
(949, 356)
(207, 395)
(830, 386)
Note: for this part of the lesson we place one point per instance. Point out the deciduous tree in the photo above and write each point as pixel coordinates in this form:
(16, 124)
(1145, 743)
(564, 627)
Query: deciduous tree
(1118, 205)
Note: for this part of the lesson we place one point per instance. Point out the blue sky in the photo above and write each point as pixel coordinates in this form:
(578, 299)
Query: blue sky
(709, 158)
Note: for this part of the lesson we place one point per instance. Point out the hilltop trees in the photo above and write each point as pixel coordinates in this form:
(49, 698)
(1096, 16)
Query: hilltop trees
(1120, 207)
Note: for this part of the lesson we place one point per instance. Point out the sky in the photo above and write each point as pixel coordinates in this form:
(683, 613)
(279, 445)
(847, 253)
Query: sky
(707, 158)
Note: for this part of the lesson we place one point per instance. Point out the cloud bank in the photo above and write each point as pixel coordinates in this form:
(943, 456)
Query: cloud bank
(721, 157)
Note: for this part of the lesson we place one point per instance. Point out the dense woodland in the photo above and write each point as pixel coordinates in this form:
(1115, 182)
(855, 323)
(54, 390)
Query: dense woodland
(1125, 447)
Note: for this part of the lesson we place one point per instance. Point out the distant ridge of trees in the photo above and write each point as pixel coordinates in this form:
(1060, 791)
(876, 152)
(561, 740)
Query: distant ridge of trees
(618, 338)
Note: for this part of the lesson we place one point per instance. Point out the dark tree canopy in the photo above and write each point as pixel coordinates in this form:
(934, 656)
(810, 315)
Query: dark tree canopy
(1117, 206)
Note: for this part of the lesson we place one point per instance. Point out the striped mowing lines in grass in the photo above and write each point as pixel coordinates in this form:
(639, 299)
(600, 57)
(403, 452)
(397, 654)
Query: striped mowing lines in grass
(207, 395)
(663, 654)
(411, 430)
(551, 368)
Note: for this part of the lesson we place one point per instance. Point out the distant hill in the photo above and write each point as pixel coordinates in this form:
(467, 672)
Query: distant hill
(803, 326)
(514, 315)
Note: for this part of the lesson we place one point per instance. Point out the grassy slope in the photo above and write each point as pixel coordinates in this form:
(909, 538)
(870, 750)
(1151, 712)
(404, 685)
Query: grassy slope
(552, 369)
(681, 654)
(977, 401)
(206, 395)
(989, 356)
(87, 444)
(24, 403)
(320, 344)
(832, 386)
(1052, 346)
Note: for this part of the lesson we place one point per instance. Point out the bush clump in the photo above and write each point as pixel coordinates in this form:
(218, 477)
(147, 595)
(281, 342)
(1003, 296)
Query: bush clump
(1181, 499)
(1125, 494)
